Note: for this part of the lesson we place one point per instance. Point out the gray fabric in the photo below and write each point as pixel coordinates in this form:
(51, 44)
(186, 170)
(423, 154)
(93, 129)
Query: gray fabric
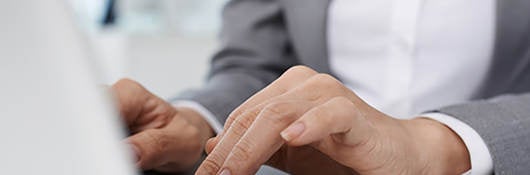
(504, 124)
(255, 50)
(501, 112)
(263, 38)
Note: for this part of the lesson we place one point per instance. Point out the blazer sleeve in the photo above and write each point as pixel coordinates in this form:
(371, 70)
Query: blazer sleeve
(254, 51)
(504, 124)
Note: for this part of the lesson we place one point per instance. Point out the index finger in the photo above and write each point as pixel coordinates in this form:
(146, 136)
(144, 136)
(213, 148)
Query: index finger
(290, 79)
(263, 139)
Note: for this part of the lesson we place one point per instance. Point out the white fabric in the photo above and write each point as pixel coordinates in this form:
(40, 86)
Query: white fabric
(481, 163)
(407, 56)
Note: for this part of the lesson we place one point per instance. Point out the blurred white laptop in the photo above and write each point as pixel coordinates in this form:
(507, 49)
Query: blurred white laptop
(54, 119)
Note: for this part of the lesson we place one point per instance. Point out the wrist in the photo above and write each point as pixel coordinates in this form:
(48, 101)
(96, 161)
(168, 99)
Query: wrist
(198, 121)
(446, 152)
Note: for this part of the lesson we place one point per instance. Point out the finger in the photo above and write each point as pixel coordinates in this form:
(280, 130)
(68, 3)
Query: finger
(225, 142)
(311, 89)
(179, 153)
(318, 88)
(246, 113)
(130, 96)
(158, 147)
(322, 87)
(262, 139)
(290, 79)
(333, 117)
(210, 144)
(149, 147)
(336, 122)
(233, 134)
(139, 108)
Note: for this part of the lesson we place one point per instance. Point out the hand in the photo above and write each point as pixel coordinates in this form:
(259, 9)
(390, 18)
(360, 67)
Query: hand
(306, 122)
(163, 138)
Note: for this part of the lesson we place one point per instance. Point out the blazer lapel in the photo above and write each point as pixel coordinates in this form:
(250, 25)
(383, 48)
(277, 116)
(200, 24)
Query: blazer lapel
(513, 25)
(307, 23)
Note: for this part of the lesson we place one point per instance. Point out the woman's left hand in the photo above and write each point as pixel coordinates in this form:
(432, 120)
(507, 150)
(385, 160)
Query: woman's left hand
(310, 123)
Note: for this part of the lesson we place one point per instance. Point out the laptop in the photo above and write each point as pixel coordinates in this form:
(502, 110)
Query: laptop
(54, 117)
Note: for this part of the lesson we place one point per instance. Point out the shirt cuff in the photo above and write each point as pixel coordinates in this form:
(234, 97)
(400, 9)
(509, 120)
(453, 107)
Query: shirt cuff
(481, 161)
(205, 113)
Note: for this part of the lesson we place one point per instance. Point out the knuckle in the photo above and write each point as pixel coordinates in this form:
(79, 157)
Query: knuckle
(241, 124)
(233, 115)
(241, 151)
(326, 81)
(300, 69)
(245, 120)
(323, 116)
(159, 142)
(245, 116)
(278, 107)
(343, 106)
(340, 100)
(292, 78)
(211, 165)
(276, 113)
(127, 82)
(229, 121)
(129, 85)
(315, 87)
(239, 111)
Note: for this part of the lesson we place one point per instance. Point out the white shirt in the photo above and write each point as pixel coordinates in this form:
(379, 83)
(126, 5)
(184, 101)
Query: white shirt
(407, 56)
(404, 57)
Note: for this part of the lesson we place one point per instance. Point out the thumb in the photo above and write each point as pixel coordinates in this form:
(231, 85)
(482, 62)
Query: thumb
(149, 147)
(130, 97)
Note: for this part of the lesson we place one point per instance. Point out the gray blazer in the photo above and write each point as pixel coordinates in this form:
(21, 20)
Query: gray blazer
(260, 39)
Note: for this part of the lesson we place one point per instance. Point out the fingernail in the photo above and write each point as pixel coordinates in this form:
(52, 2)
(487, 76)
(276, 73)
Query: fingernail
(225, 172)
(136, 152)
(293, 131)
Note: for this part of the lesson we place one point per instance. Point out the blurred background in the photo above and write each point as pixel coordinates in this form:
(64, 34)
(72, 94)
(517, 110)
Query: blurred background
(163, 44)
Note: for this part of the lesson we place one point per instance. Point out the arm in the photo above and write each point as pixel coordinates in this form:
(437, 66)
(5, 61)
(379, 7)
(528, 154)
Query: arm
(479, 155)
(316, 112)
(254, 51)
(504, 124)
